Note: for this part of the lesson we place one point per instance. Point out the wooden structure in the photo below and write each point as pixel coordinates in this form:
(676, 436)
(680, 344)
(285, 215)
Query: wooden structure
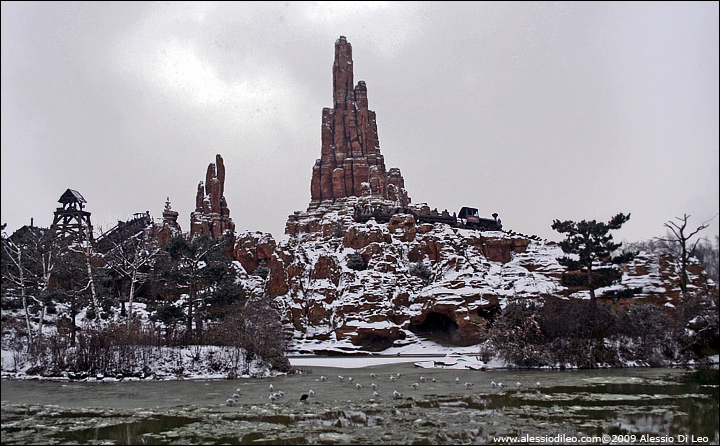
(70, 219)
(123, 231)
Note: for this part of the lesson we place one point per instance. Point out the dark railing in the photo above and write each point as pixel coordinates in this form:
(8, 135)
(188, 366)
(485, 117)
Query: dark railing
(383, 215)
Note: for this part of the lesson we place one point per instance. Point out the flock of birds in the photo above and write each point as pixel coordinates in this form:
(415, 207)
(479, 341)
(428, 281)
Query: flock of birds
(275, 396)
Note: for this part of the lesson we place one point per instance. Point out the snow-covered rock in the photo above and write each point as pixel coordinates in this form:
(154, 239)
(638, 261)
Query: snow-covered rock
(469, 276)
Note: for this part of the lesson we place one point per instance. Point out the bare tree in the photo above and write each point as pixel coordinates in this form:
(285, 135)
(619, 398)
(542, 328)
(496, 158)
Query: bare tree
(682, 240)
(128, 257)
(84, 247)
(69, 281)
(29, 257)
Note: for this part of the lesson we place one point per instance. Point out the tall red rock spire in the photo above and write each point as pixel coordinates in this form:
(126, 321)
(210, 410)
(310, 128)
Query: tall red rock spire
(350, 162)
(212, 215)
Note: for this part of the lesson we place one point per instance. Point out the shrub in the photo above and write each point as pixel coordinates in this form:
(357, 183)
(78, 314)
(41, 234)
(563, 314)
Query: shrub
(560, 333)
(338, 230)
(261, 334)
(516, 335)
(227, 294)
(168, 314)
(698, 324)
(357, 262)
(262, 270)
(422, 270)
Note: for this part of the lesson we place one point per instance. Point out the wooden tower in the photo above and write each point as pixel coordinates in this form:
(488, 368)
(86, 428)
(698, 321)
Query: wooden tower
(71, 218)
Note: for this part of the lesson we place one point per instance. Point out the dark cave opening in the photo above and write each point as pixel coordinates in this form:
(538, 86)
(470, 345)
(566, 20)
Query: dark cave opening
(437, 327)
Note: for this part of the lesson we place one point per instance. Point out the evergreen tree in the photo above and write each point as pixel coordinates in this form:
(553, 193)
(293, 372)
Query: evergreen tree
(197, 261)
(593, 244)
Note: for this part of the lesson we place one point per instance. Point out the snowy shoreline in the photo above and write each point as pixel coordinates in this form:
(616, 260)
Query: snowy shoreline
(451, 361)
(158, 364)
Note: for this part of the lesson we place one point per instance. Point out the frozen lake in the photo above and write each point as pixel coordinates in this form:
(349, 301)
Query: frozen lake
(620, 402)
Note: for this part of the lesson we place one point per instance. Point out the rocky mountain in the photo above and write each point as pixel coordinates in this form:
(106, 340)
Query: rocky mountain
(421, 281)
(361, 269)
(345, 286)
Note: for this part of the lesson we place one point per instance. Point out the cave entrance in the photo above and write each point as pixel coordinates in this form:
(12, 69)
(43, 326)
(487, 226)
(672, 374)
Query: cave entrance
(437, 327)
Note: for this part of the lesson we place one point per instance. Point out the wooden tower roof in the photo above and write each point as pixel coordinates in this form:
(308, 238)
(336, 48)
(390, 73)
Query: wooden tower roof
(70, 196)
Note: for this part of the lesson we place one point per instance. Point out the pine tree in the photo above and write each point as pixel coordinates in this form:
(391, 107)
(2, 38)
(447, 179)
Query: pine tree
(593, 244)
(197, 261)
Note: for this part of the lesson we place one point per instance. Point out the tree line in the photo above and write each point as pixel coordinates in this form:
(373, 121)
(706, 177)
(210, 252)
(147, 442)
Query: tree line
(598, 332)
(192, 294)
(189, 289)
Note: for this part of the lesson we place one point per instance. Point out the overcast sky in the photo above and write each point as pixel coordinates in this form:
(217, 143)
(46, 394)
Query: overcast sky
(536, 111)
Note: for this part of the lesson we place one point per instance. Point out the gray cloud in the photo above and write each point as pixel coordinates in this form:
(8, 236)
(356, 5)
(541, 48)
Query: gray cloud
(536, 111)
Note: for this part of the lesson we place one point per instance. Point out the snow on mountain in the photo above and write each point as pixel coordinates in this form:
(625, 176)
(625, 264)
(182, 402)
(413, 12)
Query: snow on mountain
(423, 285)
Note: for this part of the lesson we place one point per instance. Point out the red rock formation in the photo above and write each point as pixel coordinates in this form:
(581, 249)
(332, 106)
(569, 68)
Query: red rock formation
(421, 279)
(469, 275)
(170, 226)
(252, 249)
(211, 215)
(350, 163)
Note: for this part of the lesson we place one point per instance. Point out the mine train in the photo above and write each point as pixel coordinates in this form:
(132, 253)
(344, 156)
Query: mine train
(468, 218)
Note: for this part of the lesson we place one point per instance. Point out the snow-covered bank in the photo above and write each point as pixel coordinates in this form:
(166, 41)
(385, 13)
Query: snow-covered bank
(351, 362)
(156, 363)
(452, 361)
